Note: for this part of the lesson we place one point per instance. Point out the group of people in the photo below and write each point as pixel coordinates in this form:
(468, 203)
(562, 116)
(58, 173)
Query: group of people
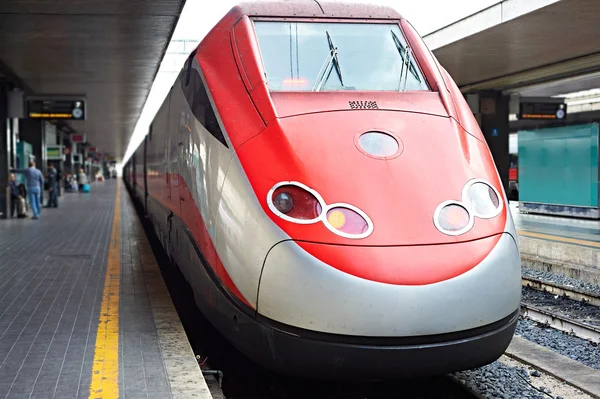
(35, 183)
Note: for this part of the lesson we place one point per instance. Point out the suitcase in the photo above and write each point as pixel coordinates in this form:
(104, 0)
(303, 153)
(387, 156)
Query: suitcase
(86, 188)
(21, 207)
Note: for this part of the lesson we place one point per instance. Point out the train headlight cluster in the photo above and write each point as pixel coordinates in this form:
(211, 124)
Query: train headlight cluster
(298, 203)
(482, 199)
(479, 199)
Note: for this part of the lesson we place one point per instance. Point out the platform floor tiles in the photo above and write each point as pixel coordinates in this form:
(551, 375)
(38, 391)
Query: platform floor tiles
(76, 316)
(538, 226)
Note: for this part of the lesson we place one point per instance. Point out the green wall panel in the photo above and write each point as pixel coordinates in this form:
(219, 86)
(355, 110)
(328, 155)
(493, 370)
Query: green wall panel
(559, 165)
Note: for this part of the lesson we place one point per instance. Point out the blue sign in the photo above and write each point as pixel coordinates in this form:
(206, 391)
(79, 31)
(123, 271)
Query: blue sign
(495, 132)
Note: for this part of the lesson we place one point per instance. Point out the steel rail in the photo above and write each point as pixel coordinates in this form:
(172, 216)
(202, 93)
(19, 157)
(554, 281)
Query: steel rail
(574, 293)
(561, 322)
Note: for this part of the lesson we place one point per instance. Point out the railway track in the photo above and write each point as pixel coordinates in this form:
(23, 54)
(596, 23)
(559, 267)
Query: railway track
(573, 293)
(560, 322)
(551, 314)
(466, 389)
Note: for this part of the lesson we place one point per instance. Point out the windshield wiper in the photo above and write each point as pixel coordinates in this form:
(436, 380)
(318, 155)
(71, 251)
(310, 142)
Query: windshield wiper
(331, 61)
(335, 58)
(405, 55)
(405, 63)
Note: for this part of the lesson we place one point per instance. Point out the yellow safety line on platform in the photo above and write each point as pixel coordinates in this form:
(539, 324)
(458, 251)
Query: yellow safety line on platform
(559, 238)
(105, 373)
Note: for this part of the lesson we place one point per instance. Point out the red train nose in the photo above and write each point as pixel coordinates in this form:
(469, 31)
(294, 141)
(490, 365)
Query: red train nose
(317, 182)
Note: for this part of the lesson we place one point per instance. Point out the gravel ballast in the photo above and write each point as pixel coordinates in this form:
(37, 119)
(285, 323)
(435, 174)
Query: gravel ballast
(506, 378)
(578, 349)
(566, 282)
(575, 310)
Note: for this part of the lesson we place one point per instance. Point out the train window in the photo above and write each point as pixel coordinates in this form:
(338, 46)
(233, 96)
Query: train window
(304, 56)
(201, 107)
(189, 67)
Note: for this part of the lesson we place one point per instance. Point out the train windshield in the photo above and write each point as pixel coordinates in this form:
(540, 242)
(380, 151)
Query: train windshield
(307, 56)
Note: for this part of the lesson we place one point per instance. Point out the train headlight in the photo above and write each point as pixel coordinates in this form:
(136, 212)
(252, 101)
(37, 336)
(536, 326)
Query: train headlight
(297, 203)
(283, 202)
(482, 199)
(452, 218)
(347, 221)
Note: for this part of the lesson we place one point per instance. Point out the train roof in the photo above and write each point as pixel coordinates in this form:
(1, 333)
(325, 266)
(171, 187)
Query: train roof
(314, 9)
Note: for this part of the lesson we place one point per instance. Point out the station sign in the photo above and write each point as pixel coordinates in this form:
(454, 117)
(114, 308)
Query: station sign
(543, 110)
(77, 138)
(56, 108)
(54, 152)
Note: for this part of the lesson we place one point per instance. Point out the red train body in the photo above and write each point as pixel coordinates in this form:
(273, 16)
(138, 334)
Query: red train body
(346, 223)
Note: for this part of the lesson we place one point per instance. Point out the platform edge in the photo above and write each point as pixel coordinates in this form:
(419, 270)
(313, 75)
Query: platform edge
(183, 373)
(576, 374)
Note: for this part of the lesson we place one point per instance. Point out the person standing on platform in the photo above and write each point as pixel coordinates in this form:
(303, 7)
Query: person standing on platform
(35, 183)
(52, 187)
(17, 202)
(81, 179)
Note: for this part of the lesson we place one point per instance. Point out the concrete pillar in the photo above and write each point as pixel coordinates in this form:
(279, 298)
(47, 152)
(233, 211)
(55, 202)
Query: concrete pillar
(73, 151)
(61, 164)
(43, 167)
(31, 131)
(84, 162)
(5, 154)
(14, 139)
(494, 121)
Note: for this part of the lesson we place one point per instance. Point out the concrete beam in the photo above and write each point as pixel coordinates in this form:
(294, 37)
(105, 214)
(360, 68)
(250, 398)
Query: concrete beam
(502, 11)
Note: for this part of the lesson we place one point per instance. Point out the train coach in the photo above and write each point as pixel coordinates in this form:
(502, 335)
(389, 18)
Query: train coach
(325, 189)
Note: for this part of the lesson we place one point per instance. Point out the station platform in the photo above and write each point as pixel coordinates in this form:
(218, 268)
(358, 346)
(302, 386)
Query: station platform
(583, 232)
(84, 312)
(564, 246)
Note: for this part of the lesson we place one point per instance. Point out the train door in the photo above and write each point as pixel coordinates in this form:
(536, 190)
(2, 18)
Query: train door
(173, 177)
(133, 174)
(172, 172)
(146, 170)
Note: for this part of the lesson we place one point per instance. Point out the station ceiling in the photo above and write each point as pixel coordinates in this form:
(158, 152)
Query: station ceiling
(560, 86)
(107, 50)
(558, 40)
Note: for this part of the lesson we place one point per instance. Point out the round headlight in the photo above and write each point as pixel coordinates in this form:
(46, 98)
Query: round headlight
(295, 203)
(483, 200)
(283, 202)
(453, 219)
(347, 221)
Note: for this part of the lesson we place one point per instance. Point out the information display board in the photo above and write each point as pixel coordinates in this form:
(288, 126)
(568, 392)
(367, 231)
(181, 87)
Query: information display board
(56, 108)
(541, 110)
(54, 152)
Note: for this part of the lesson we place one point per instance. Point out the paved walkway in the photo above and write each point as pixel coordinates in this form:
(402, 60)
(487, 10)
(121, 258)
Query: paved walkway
(76, 317)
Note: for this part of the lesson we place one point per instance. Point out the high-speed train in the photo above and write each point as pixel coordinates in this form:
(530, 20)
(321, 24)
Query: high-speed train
(326, 191)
